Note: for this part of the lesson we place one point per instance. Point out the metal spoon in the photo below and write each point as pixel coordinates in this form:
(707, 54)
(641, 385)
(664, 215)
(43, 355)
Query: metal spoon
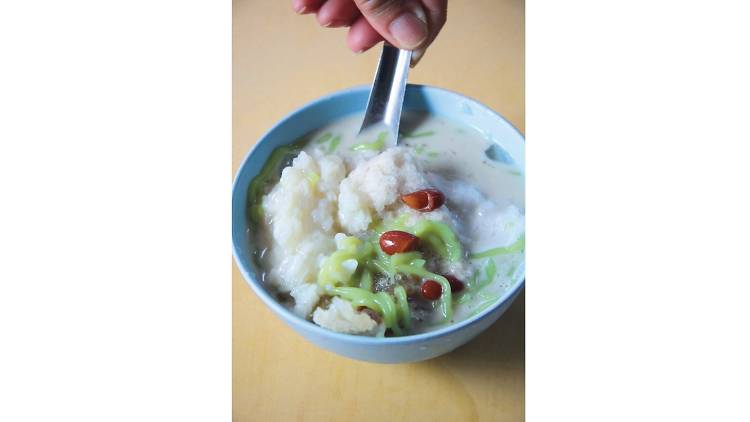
(383, 112)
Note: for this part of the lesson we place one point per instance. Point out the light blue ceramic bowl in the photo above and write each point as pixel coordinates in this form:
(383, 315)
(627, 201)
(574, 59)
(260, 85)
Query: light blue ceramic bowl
(318, 113)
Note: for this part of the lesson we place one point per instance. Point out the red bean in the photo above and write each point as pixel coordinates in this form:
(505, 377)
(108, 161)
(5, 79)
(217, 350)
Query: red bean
(424, 200)
(431, 290)
(456, 284)
(396, 241)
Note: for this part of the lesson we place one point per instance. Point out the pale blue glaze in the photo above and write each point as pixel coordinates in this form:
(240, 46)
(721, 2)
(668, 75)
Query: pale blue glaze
(318, 113)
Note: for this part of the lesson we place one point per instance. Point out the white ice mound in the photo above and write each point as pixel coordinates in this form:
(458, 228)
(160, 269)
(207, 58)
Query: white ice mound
(340, 316)
(300, 213)
(375, 185)
(306, 297)
(503, 223)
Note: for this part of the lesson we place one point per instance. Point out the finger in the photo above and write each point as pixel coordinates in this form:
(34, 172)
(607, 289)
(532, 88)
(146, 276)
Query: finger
(362, 36)
(402, 22)
(304, 7)
(437, 14)
(337, 13)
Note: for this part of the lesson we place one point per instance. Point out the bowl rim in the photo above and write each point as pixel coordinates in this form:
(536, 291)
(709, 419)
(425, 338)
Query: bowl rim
(290, 317)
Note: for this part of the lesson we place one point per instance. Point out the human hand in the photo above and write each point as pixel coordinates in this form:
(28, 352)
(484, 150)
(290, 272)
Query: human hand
(407, 24)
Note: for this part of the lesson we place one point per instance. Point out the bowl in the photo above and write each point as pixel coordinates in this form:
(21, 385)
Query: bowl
(314, 115)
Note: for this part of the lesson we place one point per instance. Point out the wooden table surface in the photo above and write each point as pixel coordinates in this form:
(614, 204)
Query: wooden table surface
(281, 61)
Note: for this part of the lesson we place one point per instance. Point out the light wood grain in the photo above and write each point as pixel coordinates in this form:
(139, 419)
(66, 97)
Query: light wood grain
(281, 61)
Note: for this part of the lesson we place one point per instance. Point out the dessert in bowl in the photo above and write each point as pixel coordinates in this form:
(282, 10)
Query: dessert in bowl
(384, 254)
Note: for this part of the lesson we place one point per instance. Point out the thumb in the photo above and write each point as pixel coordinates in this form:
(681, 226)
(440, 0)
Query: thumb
(402, 22)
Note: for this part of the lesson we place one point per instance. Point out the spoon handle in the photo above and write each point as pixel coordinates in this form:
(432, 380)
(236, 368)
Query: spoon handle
(387, 94)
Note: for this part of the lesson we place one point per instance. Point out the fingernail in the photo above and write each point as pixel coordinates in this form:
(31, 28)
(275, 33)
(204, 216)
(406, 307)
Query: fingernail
(409, 30)
(335, 24)
(416, 56)
(301, 10)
